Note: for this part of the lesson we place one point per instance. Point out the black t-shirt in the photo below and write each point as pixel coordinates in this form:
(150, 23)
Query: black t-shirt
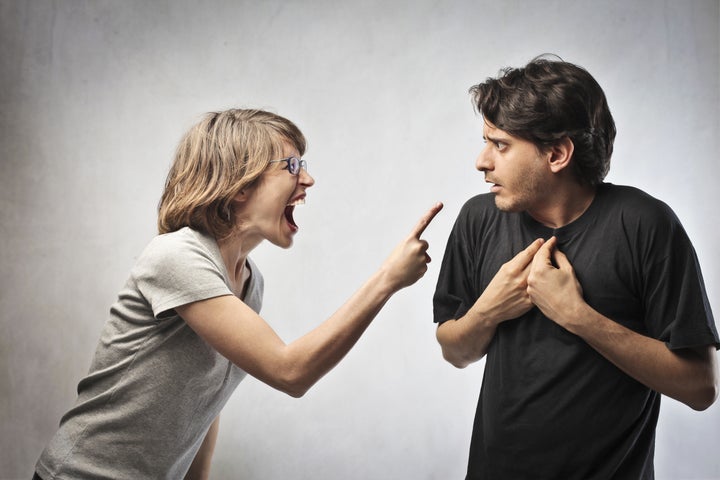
(550, 406)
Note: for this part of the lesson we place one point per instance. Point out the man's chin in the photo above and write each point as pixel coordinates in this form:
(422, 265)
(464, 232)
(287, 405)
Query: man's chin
(506, 206)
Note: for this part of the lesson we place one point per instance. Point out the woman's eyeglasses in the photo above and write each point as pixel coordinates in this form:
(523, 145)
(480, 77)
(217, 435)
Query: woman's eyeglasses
(294, 164)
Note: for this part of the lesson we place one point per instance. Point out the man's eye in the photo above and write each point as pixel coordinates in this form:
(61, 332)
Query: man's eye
(500, 145)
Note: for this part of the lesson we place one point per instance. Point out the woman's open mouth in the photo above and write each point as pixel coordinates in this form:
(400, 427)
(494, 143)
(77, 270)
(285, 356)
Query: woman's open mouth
(289, 209)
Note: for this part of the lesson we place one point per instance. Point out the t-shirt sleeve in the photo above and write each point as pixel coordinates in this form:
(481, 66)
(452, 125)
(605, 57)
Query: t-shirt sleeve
(677, 310)
(454, 294)
(175, 270)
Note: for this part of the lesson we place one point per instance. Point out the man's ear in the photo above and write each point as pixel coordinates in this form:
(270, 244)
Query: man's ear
(560, 154)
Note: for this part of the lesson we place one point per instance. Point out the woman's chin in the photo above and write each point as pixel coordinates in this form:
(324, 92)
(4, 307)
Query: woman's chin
(285, 242)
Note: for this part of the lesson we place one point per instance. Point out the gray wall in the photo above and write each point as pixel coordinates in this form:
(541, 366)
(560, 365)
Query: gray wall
(95, 95)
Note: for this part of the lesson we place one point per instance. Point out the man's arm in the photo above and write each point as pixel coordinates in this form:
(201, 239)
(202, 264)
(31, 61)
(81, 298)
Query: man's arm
(200, 468)
(466, 340)
(687, 375)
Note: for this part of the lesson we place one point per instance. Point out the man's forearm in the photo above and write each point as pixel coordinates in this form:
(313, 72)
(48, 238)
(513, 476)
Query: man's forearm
(465, 340)
(688, 375)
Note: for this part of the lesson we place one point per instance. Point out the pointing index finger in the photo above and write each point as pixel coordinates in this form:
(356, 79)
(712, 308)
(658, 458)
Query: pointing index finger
(545, 252)
(425, 220)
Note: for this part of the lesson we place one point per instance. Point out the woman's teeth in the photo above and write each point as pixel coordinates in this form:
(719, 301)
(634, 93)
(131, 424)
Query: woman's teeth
(299, 201)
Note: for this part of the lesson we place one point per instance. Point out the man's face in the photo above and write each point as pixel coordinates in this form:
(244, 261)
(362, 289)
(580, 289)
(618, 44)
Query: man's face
(518, 172)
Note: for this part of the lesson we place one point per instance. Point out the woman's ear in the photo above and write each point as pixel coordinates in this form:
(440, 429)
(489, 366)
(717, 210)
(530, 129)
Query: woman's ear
(237, 204)
(242, 196)
(561, 154)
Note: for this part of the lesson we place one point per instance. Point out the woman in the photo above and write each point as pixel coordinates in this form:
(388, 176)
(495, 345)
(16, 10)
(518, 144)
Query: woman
(185, 328)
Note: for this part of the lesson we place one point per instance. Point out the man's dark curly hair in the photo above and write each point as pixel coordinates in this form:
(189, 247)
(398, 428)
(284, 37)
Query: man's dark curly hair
(547, 100)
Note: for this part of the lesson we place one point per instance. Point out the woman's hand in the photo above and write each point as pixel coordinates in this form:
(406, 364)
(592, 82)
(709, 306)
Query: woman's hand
(408, 261)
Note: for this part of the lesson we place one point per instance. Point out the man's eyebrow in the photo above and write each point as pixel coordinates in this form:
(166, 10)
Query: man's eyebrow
(495, 139)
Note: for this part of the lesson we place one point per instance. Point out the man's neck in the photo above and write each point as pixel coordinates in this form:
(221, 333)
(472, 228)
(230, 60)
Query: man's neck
(564, 205)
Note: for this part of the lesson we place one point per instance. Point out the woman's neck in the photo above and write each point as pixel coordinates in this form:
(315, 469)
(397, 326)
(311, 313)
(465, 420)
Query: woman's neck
(234, 251)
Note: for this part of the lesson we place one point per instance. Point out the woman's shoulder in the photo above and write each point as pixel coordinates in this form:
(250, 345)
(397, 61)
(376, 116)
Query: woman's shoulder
(185, 247)
(185, 239)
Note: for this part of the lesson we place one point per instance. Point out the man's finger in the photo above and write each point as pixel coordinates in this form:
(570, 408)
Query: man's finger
(544, 253)
(561, 260)
(425, 220)
(524, 258)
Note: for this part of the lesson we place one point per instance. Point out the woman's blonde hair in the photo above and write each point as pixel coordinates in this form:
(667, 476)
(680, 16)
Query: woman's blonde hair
(223, 154)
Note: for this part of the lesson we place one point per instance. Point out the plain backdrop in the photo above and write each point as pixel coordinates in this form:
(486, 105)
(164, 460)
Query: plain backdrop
(94, 97)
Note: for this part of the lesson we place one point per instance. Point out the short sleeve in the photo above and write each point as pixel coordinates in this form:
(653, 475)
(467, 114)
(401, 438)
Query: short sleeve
(176, 269)
(454, 294)
(677, 310)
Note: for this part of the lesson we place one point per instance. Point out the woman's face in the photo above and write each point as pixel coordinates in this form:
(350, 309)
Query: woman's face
(268, 210)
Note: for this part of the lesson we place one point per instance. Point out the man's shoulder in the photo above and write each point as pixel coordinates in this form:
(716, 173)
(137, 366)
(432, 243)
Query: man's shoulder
(637, 211)
(633, 201)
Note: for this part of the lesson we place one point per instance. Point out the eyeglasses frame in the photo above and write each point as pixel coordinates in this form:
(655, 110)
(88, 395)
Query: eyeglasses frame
(302, 164)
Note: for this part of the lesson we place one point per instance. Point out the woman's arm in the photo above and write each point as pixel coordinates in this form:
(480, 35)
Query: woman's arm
(239, 334)
(200, 468)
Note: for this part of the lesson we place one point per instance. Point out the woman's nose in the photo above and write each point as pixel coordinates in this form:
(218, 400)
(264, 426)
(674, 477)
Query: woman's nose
(305, 178)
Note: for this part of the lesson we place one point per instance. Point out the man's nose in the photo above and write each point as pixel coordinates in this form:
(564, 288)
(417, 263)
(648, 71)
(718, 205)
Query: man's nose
(483, 162)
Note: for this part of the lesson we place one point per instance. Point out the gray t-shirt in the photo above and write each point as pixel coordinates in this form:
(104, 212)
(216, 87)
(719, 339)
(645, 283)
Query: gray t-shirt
(154, 386)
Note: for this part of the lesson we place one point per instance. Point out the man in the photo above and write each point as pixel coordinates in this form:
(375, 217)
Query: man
(586, 298)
